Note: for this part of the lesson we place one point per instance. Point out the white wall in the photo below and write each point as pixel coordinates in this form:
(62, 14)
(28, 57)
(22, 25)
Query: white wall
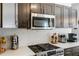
(28, 37)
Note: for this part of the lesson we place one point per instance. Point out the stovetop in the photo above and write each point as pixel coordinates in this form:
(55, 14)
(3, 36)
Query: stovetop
(42, 47)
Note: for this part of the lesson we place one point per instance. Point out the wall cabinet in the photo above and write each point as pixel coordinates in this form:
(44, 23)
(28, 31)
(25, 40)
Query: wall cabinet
(59, 16)
(66, 17)
(0, 15)
(73, 18)
(42, 8)
(47, 9)
(8, 15)
(23, 15)
(36, 8)
(19, 15)
(25, 10)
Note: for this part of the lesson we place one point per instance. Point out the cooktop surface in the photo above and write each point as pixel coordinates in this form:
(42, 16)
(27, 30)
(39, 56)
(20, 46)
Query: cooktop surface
(42, 47)
(48, 46)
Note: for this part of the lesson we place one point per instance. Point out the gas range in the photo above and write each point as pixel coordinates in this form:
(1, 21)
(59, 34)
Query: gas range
(46, 49)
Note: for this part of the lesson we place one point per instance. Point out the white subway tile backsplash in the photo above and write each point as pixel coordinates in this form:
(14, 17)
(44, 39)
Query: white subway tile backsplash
(28, 37)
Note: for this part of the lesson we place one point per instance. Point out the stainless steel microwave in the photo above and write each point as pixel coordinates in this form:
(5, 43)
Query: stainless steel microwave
(42, 21)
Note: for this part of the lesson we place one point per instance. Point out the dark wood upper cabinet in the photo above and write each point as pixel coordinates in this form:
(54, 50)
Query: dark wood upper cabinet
(23, 15)
(25, 10)
(66, 17)
(47, 9)
(35, 8)
(0, 15)
(73, 18)
(43, 8)
(59, 16)
(53, 9)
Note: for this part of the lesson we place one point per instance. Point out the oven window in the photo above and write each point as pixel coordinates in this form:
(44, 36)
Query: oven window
(41, 22)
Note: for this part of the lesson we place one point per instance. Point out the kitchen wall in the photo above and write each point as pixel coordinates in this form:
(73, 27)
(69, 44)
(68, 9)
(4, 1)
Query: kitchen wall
(28, 37)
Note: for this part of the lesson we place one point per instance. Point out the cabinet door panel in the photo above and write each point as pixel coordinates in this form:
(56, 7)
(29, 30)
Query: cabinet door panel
(58, 13)
(36, 8)
(68, 52)
(76, 54)
(47, 9)
(0, 14)
(9, 15)
(73, 18)
(53, 9)
(23, 15)
(66, 17)
(76, 51)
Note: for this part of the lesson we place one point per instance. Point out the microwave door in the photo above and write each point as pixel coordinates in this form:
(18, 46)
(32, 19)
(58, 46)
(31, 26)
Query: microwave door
(40, 23)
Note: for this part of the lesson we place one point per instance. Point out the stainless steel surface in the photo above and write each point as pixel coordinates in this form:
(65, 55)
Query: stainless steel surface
(51, 17)
(63, 38)
(46, 49)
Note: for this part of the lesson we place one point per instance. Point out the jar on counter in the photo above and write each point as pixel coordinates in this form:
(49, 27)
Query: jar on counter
(2, 44)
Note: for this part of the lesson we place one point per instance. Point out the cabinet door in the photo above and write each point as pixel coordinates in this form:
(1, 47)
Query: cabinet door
(66, 17)
(53, 9)
(68, 52)
(23, 15)
(36, 8)
(76, 51)
(47, 8)
(8, 15)
(73, 18)
(59, 16)
(0, 14)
